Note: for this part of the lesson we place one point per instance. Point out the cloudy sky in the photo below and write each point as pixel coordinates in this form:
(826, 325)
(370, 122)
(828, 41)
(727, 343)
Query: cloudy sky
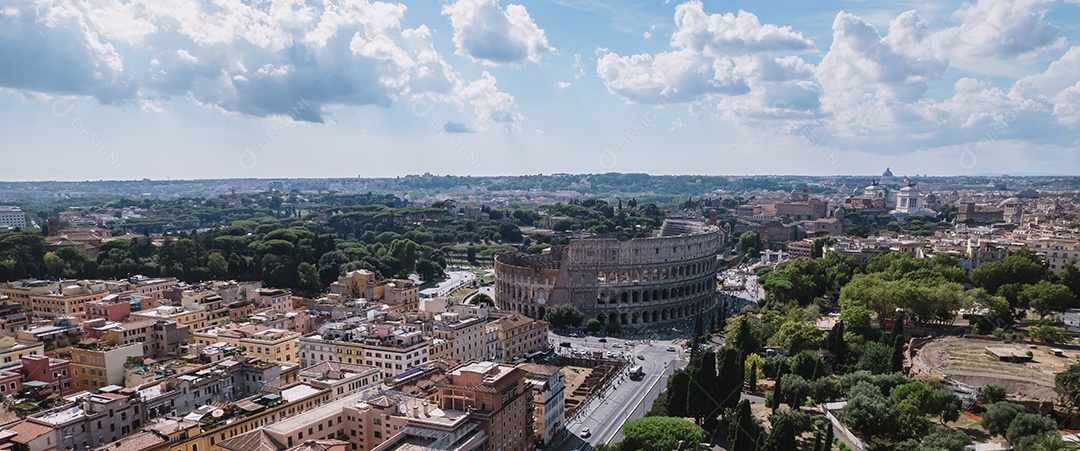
(107, 89)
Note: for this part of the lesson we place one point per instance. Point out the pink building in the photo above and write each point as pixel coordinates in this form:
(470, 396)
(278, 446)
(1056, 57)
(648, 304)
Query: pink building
(56, 372)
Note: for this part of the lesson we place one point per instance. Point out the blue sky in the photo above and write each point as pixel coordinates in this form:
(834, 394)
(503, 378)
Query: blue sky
(195, 89)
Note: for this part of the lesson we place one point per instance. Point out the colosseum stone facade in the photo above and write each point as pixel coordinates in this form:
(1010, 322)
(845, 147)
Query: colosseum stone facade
(643, 281)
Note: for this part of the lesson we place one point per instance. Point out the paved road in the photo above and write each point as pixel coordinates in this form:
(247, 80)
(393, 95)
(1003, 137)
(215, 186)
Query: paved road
(453, 280)
(626, 399)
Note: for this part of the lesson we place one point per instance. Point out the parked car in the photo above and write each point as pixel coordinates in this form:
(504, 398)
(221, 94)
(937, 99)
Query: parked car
(565, 344)
(616, 345)
(671, 349)
(640, 357)
(602, 340)
(585, 432)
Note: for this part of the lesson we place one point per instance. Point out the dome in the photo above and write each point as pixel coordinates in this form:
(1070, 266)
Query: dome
(1011, 201)
(887, 172)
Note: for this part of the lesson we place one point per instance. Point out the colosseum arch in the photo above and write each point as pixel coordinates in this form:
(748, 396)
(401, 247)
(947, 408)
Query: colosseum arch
(609, 277)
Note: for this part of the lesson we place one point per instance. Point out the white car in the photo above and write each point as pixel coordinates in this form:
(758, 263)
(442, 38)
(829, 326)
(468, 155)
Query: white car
(671, 349)
(616, 346)
(585, 432)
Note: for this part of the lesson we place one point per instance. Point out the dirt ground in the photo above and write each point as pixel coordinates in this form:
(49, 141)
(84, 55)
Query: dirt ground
(966, 361)
(575, 376)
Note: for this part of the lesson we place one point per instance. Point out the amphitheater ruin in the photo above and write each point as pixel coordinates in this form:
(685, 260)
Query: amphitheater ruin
(667, 277)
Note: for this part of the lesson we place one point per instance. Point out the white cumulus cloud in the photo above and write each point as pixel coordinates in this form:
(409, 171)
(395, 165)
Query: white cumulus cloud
(486, 32)
(276, 58)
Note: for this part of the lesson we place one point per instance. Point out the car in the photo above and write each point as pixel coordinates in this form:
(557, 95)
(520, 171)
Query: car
(585, 432)
(573, 334)
(630, 343)
(671, 349)
(616, 346)
(602, 340)
(640, 357)
(565, 344)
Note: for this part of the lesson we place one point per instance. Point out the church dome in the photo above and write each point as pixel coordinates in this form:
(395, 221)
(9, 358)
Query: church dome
(887, 172)
(1011, 201)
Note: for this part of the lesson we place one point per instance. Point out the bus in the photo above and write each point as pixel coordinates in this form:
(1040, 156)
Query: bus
(636, 372)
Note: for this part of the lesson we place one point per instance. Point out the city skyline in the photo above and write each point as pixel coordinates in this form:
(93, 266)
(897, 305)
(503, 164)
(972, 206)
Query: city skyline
(189, 90)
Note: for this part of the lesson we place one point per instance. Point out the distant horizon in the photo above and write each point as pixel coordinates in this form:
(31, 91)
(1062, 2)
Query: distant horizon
(899, 177)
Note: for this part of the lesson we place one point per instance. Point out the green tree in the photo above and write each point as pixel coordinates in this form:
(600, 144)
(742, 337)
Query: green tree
(1067, 384)
(743, 431)
(897, 358)
(999, 415)
(662, 434)
(1047, 298)
(856, 319)
(1047, 333)
(751, 244)
(992, 394)
(874, 357)
(836, 344)
(827, 442)
(677, 387)
(868, 411)
(1026, 425)
(941, 438)
(218, 266)
(1050, 441)
(752, 374)
(1023, 268)
(782, 435)
(743, 330)
(54, 264)
(593, 325)
(731, 373)
(703, 388)
(564, 315)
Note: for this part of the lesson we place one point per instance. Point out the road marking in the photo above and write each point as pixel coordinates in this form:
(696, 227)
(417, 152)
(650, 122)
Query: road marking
(634, 409)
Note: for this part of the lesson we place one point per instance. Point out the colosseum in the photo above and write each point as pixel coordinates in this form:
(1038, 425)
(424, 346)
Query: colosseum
(642, 281)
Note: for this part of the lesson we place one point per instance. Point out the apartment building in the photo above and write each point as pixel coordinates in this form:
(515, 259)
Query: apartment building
(395, 350)
(313, 349)
(55, 372)
(402, 295)
(12, 350)
(93, 420)
(12, 217)
(342, 379)
(50, 299)
(194, 316)
(518, 335)
(548, 388)
(261, 342)
(279, 300)
(462, 339)
(257, 413)
(494, 394)
(101, 364)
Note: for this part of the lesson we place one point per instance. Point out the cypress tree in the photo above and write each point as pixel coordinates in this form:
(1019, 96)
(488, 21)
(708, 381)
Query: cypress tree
(898, 354)
(837, 345)
(699, 394)
(742, 432)
(827, 442)
(782, 436)
(817, 442)
(752, 386)
(677, 386)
